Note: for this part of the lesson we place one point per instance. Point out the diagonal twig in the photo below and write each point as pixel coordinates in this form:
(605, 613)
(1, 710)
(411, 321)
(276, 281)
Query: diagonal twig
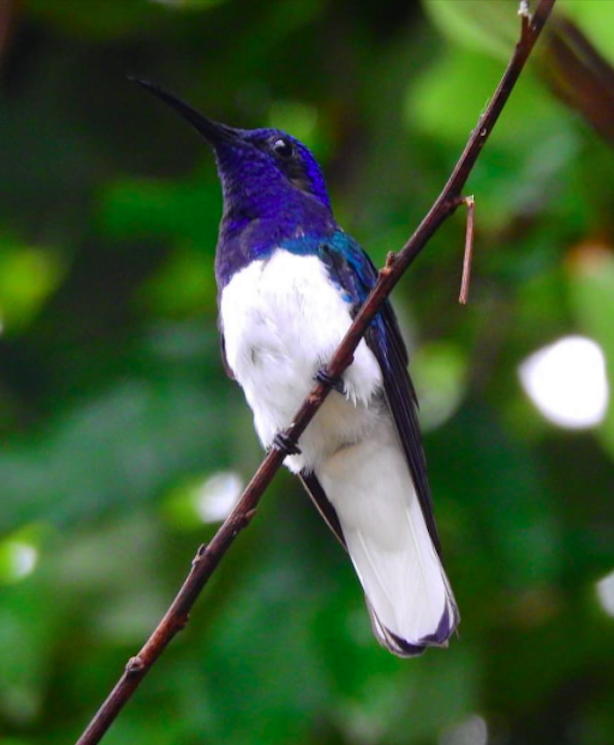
(208, 557)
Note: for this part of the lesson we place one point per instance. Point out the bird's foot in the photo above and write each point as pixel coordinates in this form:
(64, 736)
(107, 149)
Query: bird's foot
(334, 383)
(286, 444)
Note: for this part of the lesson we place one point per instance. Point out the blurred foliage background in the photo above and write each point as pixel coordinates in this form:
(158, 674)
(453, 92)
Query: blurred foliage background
(122, 442)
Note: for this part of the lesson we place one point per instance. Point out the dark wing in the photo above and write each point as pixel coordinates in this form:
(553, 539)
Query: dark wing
(389, 349)
(353, 271)
(325, 508)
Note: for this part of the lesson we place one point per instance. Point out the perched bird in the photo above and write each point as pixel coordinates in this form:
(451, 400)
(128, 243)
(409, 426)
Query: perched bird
(290, 281)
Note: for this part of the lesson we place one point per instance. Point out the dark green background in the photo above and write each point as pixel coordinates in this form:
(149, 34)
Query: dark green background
(114, 408)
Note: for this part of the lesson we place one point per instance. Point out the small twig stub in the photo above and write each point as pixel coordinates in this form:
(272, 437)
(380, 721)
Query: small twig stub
(468, 257)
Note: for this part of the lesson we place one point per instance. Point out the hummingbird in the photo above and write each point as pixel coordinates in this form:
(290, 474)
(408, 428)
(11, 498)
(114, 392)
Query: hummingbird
(290, 281)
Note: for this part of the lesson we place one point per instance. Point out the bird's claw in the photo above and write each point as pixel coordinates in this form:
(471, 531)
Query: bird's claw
(286, 444)
(332, 382)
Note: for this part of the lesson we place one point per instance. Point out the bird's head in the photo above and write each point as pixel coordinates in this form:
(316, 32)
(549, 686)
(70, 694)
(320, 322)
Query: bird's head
(265, 173)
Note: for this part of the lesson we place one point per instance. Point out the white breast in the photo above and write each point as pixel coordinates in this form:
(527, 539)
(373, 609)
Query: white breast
(282, 320)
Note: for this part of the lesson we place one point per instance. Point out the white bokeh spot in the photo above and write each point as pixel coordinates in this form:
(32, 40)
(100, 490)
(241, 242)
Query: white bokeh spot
(567, 382)
(605, 593)
(473, 731)
(217, 496)
(22, 559)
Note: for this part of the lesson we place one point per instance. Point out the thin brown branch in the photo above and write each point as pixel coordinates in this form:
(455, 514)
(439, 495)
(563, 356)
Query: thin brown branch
(208, 557)
(468, 257)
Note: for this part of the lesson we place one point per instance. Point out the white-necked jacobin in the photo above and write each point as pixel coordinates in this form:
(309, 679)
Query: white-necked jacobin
(290, 281)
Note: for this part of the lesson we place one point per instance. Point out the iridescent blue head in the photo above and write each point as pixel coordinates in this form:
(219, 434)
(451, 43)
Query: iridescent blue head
(274, 190)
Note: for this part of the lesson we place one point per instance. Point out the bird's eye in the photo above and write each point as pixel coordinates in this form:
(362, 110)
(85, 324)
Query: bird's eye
(283, 148)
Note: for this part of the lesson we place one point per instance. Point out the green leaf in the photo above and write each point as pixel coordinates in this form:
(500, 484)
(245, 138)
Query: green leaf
(595, 19)
(439, 371)
(491, 27)
(27, 277)
(28, 623)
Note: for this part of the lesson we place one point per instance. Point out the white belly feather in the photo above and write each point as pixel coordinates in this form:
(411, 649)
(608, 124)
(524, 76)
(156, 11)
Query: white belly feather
(282, 320)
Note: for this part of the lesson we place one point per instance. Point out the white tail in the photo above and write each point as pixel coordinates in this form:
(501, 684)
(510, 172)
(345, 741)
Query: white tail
(408, 594)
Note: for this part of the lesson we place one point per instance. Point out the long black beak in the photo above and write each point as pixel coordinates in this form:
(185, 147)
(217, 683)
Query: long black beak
(213, 132)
